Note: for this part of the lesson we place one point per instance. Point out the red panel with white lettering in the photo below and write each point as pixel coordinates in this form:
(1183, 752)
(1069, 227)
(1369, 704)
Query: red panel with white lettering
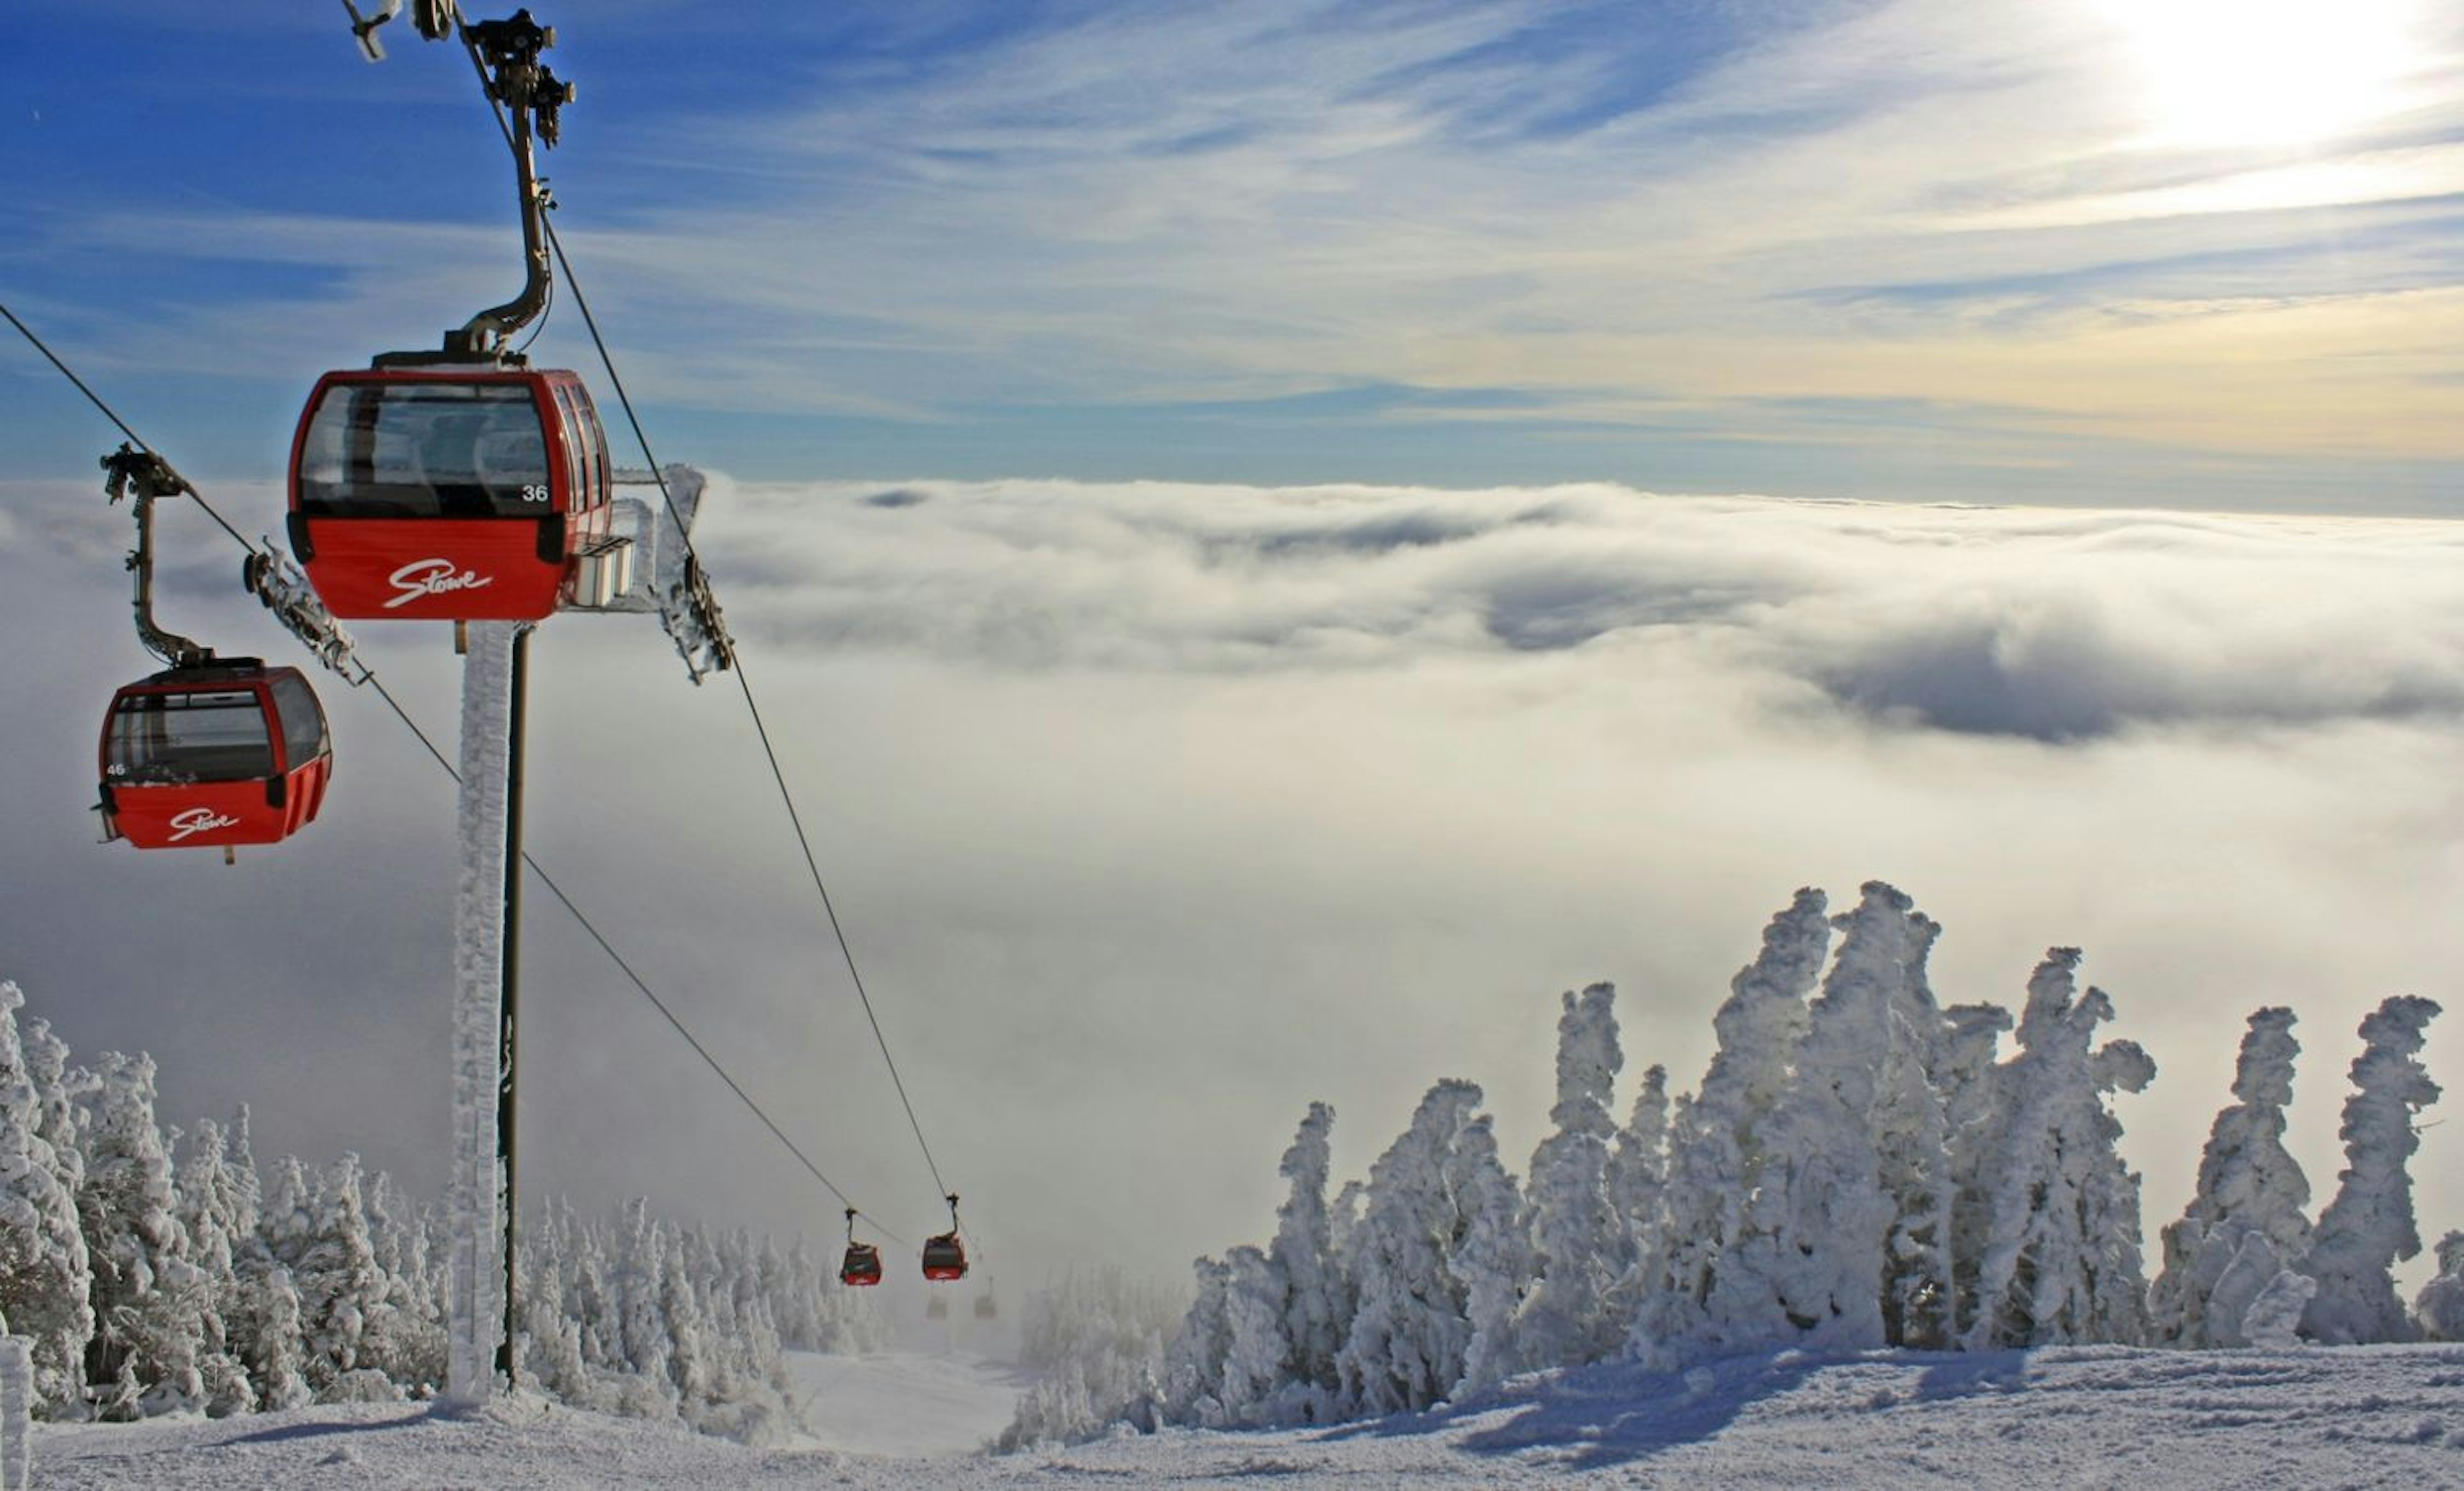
(480, 569)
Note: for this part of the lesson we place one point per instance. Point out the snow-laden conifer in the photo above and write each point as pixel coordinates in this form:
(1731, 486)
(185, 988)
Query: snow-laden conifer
(1861, 1218)
(2248, 1182)
(1096, 1343)
(1257, 1353)
(1972, 1125)
(2061, 1261)
(1492, 1264)
(1317, 1307)
(1317, 1297)
(2369, 1225)
(2439, 1308)
(1583, 1244)
(147, 1295)
(1721, 1206)
(203, 1183)
(1410, 1326)
(45, 1279)
(1194, 1362)
(341, 1292)
(1637, 1174)
(640, 1261)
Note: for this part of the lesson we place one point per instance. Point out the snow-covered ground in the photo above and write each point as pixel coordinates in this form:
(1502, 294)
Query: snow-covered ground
(910, 1405)
(2355, 1416)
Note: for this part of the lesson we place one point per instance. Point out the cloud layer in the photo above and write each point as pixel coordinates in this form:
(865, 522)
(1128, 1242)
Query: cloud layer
(2054, 626)
(1154, 813)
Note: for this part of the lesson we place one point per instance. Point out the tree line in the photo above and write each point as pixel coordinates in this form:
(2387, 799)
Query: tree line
(161, 1271)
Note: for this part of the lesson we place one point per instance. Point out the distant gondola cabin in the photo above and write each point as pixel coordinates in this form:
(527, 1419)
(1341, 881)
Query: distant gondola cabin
(945, 1259)
(449, 493)
(862, 1266)
(213, 755)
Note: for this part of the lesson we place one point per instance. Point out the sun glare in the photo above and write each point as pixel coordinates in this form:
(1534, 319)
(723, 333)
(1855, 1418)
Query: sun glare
(2264, 72)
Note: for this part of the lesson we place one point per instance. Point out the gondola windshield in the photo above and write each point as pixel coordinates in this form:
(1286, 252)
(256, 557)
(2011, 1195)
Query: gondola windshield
(216, 735)
(425, 450)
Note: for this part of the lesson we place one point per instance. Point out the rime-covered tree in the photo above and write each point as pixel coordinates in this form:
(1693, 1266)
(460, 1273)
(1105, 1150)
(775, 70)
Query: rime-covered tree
(1257, 1355)
(1492, 1262)
(45, 1279)
(203, 1182)
(2369, 1225)
(639, 1254)
(1583, 1245)
(1721, 1207)
(1637, 1174)
(2248, 1183)
(1317, 1303)
(342, 1291)
(147, 1295)
(1194, 1362)
(1860, 1217)
(2061, 1261)
(1973, 1114)
(2439, 1308)
(690, 1365)
(1096, 1343)
(1411, 1325)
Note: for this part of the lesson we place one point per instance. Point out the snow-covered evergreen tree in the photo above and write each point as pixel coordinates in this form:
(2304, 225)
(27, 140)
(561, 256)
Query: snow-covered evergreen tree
(1493, 1262)
(2369, 1225)
(1257, 1355)
(640, 1250)
(203, 1182)
(2248, 1182)
(1317, 1309)
(1583, 1244)
(1193, 1384)
(1973, 1116)
(1096, 1343)
(1637, 1174)
(2439, 1308)
(1411, 1325)
(1862, 1213)
(2061, 1261)
(1725, 1194)
(149, 1297)
(45, 1278)
(341, 1292)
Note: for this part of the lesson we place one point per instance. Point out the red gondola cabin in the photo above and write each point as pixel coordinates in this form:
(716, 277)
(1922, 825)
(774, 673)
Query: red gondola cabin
(453, 492)
(944, 1257)
(862, 1266)
(212, 756)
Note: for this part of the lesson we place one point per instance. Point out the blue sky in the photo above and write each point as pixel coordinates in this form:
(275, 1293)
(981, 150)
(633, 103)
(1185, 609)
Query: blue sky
(2172, 252)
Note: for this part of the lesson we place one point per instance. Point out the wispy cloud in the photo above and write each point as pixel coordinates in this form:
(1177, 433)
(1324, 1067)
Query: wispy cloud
(2050, 625)
(918, 220)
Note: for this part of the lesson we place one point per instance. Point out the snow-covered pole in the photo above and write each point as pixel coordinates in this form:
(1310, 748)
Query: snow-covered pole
(480, 1257)
(16, 1413)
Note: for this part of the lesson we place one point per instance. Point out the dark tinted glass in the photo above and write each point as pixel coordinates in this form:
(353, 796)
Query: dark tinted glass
(304, 722)
(425, 450)
(159, 738)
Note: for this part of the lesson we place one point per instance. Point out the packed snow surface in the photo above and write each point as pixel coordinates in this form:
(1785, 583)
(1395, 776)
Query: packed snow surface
(2388, 1417)
(910, 1406)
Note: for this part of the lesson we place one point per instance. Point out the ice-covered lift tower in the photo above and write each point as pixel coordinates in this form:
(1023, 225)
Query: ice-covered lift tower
(646, 566)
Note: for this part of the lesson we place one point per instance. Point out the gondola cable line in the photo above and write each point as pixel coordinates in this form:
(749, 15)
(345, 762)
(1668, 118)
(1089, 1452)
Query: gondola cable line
(730, 656)
(735, 663)
(361, 400)
(368, 675)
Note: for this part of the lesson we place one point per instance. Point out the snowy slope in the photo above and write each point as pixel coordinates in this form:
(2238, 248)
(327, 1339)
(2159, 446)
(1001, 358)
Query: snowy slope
(912, 1406)
(2388, 1417)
